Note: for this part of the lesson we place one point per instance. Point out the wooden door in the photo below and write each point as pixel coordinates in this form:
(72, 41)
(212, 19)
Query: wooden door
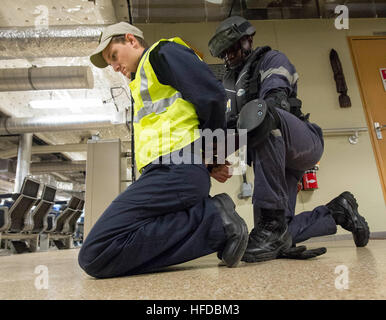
(369, 55)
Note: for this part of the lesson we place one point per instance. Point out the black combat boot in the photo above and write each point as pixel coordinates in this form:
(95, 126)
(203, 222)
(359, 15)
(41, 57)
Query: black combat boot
(344, 210)
(269, 238)
(235, 229)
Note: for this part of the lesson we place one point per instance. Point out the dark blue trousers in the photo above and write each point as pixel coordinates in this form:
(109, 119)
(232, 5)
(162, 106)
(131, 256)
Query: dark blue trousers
(166, 217)
(279, 163)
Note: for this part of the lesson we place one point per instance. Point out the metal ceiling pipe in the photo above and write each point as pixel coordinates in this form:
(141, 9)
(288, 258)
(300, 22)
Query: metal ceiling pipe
(46, 78)
(55, 166)
(23, 160)
(78, 147)
(56, 41)
(59, 123)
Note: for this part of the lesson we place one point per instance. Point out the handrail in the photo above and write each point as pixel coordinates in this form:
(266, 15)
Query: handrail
(344, 130)
(352, 132)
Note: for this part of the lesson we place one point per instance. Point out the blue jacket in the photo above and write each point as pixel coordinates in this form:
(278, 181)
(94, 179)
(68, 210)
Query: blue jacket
(277, 72)
(179, 67)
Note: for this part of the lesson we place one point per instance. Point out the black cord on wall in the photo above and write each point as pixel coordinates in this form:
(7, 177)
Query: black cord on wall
(230, 12)
(129, 8)
(132, 142)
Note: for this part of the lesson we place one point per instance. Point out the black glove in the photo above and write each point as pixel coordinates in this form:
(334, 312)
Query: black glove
(301, 253)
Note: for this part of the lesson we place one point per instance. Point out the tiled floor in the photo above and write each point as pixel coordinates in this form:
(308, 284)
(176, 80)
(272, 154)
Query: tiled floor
(23, 277)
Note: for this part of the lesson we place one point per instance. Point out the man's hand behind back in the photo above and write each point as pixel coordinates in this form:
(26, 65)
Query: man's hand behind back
(222, 172)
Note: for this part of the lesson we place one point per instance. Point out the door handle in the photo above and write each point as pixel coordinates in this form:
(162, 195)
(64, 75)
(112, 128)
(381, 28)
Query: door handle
(378, 129)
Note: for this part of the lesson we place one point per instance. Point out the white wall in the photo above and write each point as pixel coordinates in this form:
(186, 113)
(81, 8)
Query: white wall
(307, 43)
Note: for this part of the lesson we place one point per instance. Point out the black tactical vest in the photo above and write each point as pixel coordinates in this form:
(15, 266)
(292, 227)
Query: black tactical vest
(244, 86)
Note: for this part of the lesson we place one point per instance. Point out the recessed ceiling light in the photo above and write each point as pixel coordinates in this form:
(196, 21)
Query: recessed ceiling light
(66, 104)
(215, 1)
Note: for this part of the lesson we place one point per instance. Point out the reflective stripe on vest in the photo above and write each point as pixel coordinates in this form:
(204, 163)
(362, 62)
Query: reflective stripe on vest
(148, 105)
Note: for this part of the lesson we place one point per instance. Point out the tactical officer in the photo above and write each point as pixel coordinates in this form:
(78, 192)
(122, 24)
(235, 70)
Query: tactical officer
(261, 86)
(166, 217)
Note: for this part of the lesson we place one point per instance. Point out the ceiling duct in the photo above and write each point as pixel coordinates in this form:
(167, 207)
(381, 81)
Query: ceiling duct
(55, 166)
(9, 166)
(181, 11)
(46, 78)
(79, 147)
(56, 123)
(57, 41)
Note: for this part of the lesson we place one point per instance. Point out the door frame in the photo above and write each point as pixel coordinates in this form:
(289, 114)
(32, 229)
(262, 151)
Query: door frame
(369, 118)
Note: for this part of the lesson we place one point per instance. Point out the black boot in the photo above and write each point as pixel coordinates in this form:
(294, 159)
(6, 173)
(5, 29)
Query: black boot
(344, 210)
(235, 229)
(269, 237)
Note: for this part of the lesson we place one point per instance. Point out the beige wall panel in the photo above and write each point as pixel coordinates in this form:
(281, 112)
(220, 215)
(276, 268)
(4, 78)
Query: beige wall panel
(103, 180)
(307, 43)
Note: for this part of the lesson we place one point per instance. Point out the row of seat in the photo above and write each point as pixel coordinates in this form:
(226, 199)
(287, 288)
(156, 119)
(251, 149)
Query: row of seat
(20, 222)
(12, 218)
(65, 222)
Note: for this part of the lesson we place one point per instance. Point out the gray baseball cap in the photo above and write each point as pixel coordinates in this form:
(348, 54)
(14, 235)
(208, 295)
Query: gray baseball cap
(113, 30)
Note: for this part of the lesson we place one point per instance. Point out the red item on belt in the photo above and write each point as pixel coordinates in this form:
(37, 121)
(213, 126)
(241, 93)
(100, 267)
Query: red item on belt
(309, 180)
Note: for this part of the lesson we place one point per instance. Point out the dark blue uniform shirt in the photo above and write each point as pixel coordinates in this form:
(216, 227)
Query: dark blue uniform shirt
(179, 67)
(276, 71)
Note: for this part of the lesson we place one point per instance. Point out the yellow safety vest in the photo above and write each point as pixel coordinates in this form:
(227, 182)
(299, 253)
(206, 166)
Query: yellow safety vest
(163, 121)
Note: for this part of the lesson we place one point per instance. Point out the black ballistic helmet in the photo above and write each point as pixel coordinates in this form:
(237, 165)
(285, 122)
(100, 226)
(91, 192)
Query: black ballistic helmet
(228, 33)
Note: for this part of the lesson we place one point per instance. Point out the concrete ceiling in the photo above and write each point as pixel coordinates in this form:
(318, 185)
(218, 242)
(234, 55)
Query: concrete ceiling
(20, 15)
(32, 14)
